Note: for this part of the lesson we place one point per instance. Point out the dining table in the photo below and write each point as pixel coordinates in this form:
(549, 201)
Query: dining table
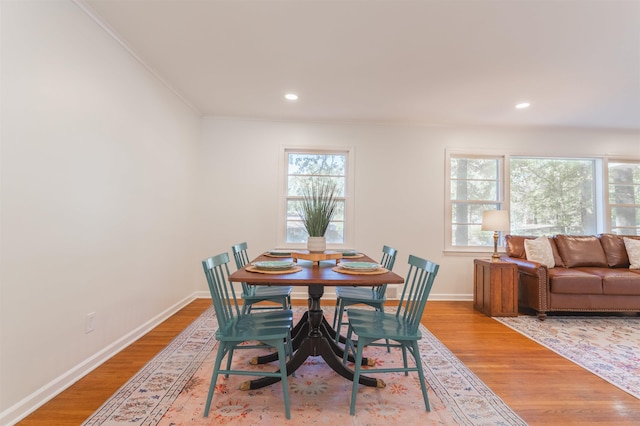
(312, 335)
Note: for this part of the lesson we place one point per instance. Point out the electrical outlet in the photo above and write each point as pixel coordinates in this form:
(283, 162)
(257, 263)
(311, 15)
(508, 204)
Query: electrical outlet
(90, 323)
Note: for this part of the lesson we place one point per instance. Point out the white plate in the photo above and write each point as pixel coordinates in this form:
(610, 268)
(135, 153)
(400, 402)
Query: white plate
(274, 265)
(359, 266)
(280, 252)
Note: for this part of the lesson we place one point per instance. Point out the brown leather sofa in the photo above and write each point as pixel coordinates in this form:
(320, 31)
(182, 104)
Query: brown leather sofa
(591, 274)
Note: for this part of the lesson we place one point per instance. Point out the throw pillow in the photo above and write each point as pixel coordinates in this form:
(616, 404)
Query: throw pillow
(633, 251)
(581, 250)
(539, 250)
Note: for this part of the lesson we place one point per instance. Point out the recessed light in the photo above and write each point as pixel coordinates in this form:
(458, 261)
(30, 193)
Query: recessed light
(523, 105)
(291, 97)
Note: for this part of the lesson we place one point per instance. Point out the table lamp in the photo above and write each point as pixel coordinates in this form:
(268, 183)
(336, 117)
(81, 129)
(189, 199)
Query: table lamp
(495, 220)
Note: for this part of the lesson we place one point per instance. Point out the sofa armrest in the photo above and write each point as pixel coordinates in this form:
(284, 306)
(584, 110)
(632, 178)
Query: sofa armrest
(527, 266)
(533, 284)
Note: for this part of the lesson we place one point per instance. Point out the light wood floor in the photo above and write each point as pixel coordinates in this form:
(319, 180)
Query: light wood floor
(542, 387)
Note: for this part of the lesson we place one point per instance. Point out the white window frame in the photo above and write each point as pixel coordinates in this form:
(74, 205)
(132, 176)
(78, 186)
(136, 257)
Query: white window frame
(608, 205)
(349, 231)
(502, 195)
(603, 207)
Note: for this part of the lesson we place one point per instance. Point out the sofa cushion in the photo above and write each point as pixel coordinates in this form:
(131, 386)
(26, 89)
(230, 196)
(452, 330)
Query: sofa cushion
(515, 245)
(614, 250)
(515, 248)
(539, 250)
(620, 281)
(617, 281)
(633, 251)
(578, 250)
(574, 281)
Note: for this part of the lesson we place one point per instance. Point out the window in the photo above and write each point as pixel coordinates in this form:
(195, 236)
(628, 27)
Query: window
(300, 168)
(476, 185)
(544, 196)
(552, 196)
(624, 197)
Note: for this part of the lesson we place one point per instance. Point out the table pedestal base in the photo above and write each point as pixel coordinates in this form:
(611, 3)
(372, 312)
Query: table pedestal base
(313, 336)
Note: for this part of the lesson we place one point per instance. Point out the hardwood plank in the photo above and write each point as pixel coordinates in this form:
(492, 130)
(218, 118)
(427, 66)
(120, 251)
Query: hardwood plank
(542, 387)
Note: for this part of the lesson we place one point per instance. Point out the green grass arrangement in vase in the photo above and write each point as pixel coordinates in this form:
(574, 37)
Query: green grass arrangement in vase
(318, 206)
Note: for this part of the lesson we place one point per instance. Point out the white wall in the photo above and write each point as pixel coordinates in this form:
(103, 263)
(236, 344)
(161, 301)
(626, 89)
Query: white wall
(99, 169)
(399, 182)
(106, 208)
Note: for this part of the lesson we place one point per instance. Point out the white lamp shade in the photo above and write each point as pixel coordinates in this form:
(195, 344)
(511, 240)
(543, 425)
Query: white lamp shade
(495, 220)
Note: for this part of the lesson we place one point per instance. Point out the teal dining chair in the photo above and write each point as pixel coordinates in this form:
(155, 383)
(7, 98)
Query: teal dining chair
(372, 296)
(252, 294)
(244, 331)
(402, 328)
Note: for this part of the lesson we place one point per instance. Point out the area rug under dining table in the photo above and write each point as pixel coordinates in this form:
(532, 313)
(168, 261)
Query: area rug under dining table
(607, 346)
(172, 388)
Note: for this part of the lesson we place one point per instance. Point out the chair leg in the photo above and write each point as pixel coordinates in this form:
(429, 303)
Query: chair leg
(348, 345)
(340, 313)
(283, 377)
(335, 314)
(229, 358)
(381, 308)
(404, 358)
(423, 385)
(214, 376)
(246, 308)
(356, 377)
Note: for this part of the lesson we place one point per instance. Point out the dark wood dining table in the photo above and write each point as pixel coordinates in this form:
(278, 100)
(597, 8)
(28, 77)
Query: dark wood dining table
(313, 335)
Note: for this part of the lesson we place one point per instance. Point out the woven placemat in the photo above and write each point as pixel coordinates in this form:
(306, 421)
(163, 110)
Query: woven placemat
(355, 256)
(279, 272)
(353, 272)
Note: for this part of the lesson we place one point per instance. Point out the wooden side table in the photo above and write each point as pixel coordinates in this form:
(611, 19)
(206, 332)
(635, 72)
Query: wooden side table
(495, 288)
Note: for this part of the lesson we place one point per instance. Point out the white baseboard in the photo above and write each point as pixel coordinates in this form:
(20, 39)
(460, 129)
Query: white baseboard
(36, 399)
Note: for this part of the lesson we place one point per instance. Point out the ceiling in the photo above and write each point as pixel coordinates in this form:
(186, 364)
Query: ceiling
(408, 62)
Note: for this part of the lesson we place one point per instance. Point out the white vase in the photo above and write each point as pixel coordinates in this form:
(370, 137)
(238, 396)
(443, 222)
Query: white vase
(316, 244)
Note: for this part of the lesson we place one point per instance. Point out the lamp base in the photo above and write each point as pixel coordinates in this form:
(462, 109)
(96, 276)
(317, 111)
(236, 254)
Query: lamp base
(495, 257)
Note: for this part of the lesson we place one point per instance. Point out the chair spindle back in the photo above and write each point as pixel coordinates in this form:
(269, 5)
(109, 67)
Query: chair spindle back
(387, 261)
(417, 287)
(223, 295)
(242, 259)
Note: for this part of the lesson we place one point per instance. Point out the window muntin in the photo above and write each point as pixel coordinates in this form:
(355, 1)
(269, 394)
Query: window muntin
(302, 167)
(624, 197)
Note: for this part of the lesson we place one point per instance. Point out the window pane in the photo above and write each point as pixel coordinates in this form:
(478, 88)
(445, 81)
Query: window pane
(625, 216)
(296, 183)
(626, 231)
(475, 168)
(470, 213)
(624, 197)
(553, 196)
(624, 183)
(317, 164)
(471, 236)
(624, 194)
(302, 169)
(474, 190)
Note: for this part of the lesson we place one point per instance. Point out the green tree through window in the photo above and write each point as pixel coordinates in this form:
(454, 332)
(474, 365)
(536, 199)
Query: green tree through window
(302, 168)
(552, 196)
